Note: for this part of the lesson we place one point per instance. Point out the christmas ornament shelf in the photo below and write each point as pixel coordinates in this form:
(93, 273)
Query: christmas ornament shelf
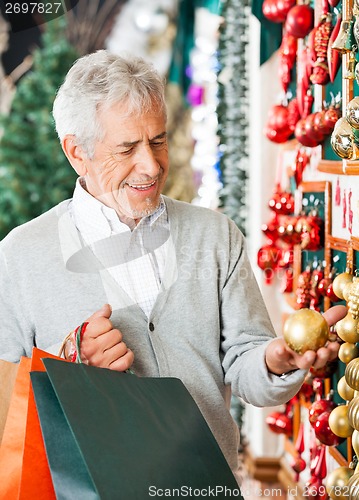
(336, 251)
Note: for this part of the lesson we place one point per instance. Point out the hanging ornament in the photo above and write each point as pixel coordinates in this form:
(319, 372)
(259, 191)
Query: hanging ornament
(350, 71)
(344, 218)
(314, 487)
(353, 299)
(282, 202)
(300, 19)
(302, 292)
(339, 422)
(352, 374)
(347, 352)
(345, 39)
(341, 280)
(267, 260)
(323, 431)
(287, 58)
(281, 422)
(347, 329)
(305, 330)
(320, 74)
(298, 464)
(319, 406)
(350, 212)
(276, 10)
(333, 56)
(352, 113)
(312, 130)
(287, 282)
(310, 228)
(343, 140)
(337, 483)
(300, 162)
(353, 413)
(353, 483)
(337, 193)
(277, 128)
(331, 116)
(345, 392)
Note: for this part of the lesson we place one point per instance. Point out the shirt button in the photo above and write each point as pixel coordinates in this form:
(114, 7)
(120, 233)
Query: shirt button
(151, 326)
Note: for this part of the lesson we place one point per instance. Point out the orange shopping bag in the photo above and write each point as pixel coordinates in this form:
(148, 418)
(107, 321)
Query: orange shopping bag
(8, 373)
(24, 471)
(12, 445)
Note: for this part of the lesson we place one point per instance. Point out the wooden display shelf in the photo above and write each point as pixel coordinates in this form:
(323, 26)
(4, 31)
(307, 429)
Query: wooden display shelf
(340, 167)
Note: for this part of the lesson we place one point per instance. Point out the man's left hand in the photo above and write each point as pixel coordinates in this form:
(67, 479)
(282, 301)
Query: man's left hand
(281, 359)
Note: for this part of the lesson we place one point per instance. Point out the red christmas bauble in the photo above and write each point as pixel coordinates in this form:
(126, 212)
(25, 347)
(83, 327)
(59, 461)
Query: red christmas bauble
(311, 130)
(300, 21)
(283, 7)
(318, 407)
(320, 124)
(331, 117)
(324, 433)
(270, 11)
(301, 135)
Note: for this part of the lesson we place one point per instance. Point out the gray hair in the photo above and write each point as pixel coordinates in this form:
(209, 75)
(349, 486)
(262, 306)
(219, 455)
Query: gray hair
(97, 81)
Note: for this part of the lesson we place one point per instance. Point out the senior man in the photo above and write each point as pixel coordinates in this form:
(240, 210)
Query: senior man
(166, 287)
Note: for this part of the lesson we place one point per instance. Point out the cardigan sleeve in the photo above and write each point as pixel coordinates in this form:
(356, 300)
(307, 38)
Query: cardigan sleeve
(16, 338)
(246, 332)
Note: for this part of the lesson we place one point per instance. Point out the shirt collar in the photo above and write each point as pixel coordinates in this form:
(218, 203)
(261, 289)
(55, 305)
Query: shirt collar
(88, 210)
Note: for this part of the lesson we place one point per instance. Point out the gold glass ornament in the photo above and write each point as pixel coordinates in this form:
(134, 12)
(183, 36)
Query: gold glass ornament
(350, 72)
(345, 391)
(353, 298)
(339, 422)
(353, 413)
(353, 487)
(352, 112)
(337, 481)
(346, 291)
(341, 280)
(343, 141)
(346, 328)
(352, 374)
(341, 43)
(347, 352)
(305, 330)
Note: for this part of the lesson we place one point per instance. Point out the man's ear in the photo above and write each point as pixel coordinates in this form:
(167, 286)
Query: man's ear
(75, 154)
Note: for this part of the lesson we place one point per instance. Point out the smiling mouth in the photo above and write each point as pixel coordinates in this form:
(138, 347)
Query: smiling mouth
(142, 187)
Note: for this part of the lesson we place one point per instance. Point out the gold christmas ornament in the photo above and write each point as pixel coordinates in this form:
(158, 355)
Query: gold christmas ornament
(353, 415)
(352, 374)
(337, 483)
(343, 142)
(339, 422)
(353, 298)
(353, 487)
(305, 330)
(346, 328)
(352, 112)
(346, 291)
(345, 391)
(340, 281)
(347, 352)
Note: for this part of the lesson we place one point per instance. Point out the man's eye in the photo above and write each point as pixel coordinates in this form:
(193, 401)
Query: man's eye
(158, 144)
(126, 151)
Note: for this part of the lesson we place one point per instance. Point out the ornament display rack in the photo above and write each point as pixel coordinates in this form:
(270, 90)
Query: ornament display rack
(332, 247)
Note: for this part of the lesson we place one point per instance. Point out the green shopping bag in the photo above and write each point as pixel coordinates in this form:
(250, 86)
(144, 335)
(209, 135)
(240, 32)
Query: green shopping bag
(113, 435)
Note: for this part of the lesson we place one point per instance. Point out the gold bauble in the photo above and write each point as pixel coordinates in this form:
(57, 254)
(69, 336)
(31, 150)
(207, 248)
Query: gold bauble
(352, 112)
(353, 298)
(337, 481)
(355, 445)
(346, 291)
(339, 283)
(305, 330)
(346, 328)
(344, 390)
(339, 422)
(353, 487)
(343, 141)
(347, 352)
(353, 413)
(352, 374)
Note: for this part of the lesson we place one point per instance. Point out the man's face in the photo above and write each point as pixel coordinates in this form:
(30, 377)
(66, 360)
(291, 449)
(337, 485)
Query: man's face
(130, 164)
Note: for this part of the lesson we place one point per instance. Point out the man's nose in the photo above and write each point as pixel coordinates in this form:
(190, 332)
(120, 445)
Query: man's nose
(146, 162)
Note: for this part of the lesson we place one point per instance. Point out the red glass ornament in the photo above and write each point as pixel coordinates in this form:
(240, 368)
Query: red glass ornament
(334, 56)
(267, 259)
(331, 117)
(287, 282)
(324, 433)
(270, 11)
(302, 136)
(282, 202)
(318, 407)
(283, 7)
(329, 292)
(312, 130)
(300, 20)
(277, 128)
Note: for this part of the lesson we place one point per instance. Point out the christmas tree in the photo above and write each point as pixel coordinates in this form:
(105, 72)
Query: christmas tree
(34, 173)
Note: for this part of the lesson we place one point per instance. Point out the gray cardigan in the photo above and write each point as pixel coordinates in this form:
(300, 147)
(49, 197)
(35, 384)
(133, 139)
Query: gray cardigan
(209, 326)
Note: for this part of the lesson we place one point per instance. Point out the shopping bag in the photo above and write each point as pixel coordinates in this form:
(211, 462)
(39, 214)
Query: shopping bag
(133, 436)
(35, 482)
(24, 471)
(8, 373)
(12, 444)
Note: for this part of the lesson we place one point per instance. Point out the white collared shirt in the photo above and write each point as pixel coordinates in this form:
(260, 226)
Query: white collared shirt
(134, 259)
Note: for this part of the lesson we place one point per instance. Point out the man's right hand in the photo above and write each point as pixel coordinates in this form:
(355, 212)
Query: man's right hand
(102, 345)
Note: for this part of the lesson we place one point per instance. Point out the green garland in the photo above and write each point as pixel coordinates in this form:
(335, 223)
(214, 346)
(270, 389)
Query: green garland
(233, 109)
